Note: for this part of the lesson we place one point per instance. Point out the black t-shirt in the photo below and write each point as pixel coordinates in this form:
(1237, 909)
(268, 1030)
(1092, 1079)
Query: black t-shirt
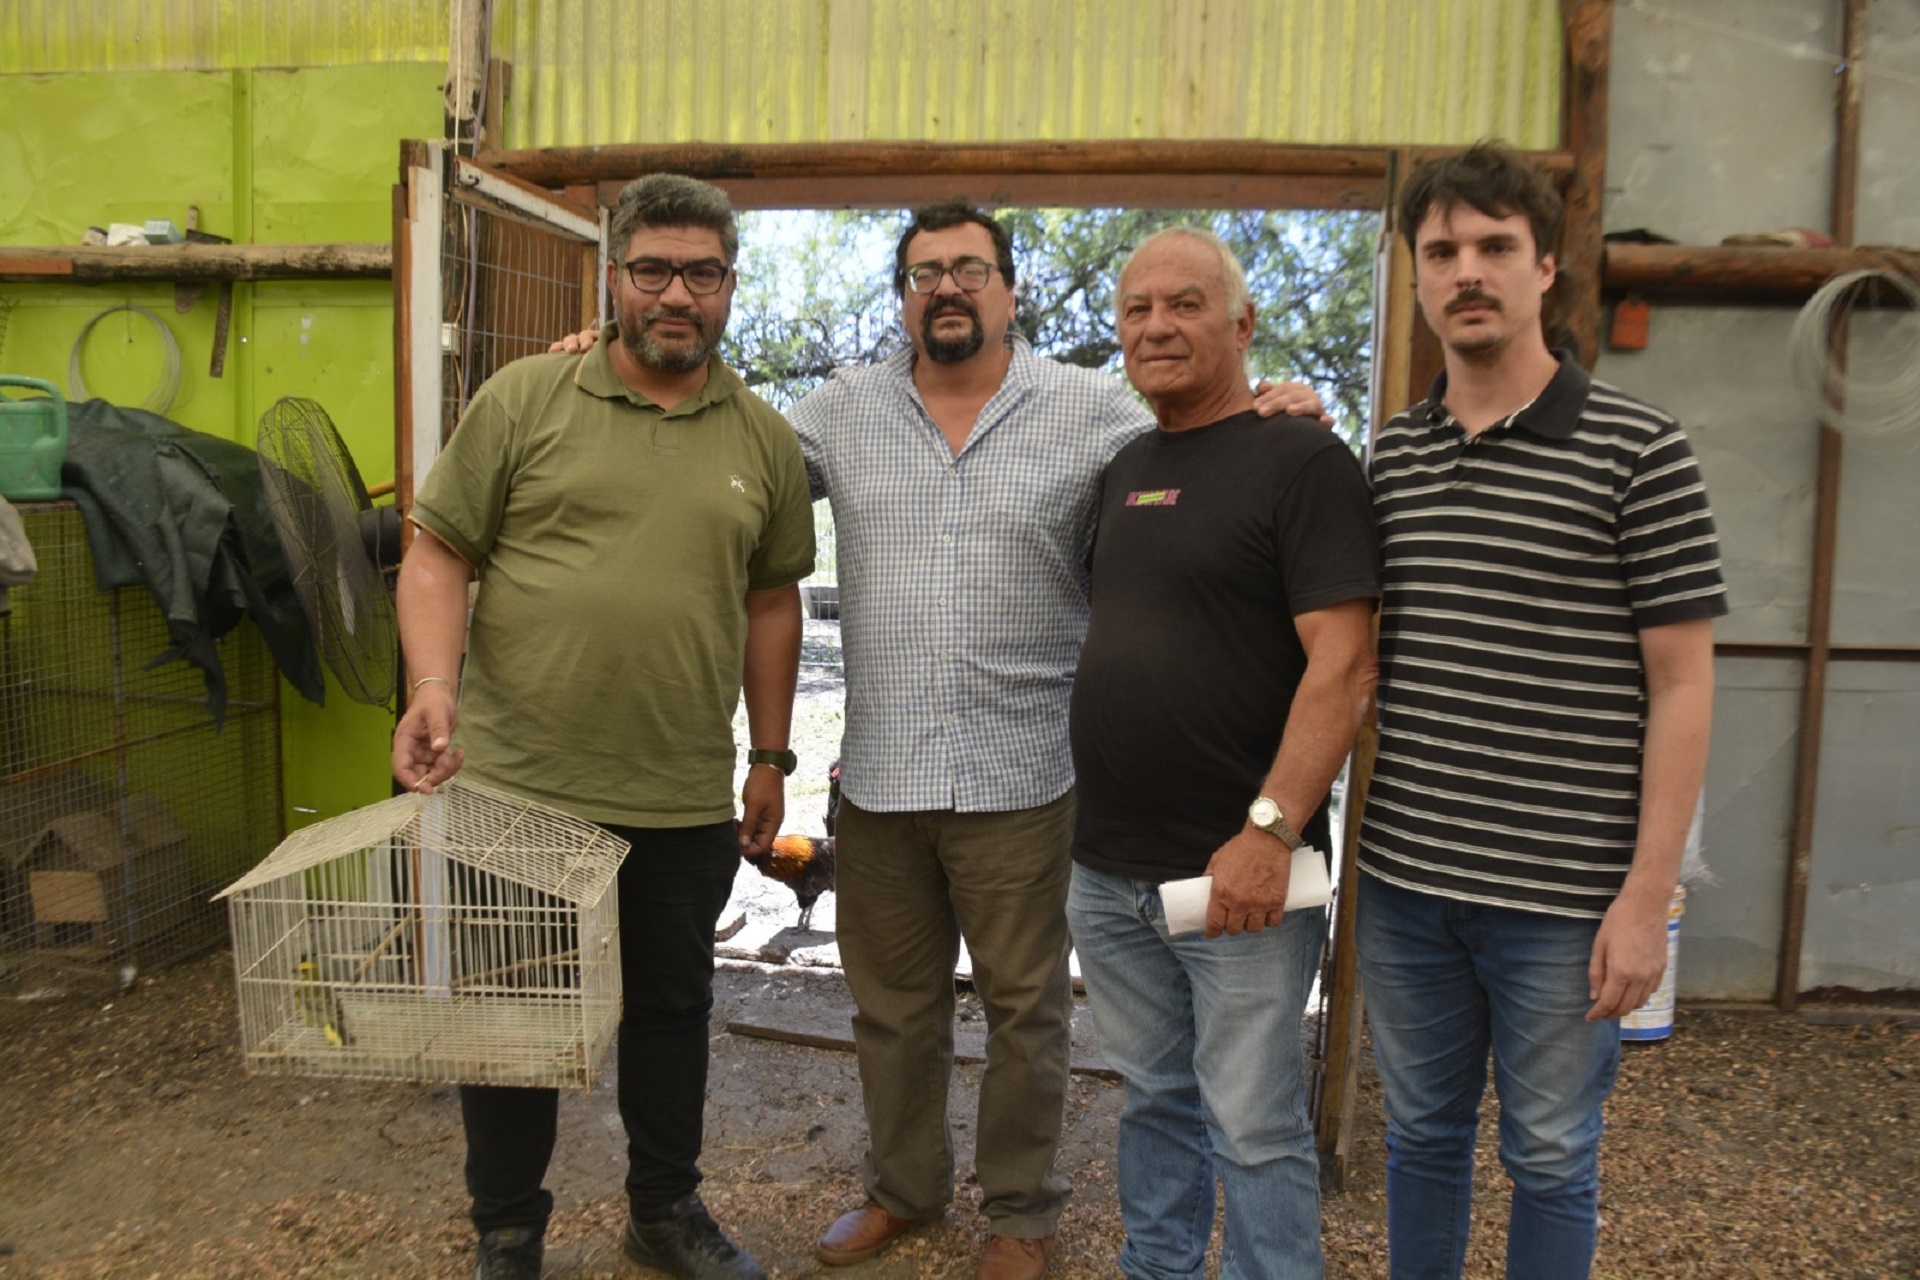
(1210, 541)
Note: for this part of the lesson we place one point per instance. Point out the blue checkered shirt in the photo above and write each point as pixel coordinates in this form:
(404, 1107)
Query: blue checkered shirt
(963, 579)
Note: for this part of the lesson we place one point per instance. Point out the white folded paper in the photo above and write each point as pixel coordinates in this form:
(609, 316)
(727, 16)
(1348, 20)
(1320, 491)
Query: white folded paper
(1185, 901)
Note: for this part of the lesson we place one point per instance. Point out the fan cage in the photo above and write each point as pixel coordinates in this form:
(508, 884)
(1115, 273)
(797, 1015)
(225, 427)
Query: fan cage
(315, 496)
(465, 937)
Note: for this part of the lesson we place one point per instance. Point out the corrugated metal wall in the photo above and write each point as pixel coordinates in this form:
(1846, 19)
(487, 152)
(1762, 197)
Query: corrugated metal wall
(205, 35)
(606, 71)
(1310, 71)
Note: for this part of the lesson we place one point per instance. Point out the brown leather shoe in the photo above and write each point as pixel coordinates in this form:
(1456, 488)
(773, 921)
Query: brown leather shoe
(859, 1235)
(1010, 1258)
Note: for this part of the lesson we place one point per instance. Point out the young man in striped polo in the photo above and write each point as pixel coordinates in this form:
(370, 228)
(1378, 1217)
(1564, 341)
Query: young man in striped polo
(1550, 578)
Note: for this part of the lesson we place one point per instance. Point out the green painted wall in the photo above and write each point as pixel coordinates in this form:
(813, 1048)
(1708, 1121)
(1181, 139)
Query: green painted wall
(270, 157)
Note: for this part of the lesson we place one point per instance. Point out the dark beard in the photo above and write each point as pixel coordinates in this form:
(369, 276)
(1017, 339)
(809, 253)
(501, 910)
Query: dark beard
(952, 350)
(641, 346)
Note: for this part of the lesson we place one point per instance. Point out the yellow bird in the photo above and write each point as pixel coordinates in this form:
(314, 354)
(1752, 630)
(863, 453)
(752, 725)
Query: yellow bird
(317, 1004)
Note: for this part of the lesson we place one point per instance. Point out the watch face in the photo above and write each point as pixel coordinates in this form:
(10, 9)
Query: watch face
(1264, 812)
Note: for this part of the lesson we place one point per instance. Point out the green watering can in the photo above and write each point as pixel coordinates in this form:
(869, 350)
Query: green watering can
(33, 441)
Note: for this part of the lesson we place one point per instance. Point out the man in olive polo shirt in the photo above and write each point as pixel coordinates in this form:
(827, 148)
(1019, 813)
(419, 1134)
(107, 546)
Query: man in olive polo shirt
(639, 522)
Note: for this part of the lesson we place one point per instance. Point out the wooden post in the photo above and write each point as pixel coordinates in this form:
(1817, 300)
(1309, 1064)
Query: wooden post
(1826, 522)
(1589, 41)
(1395, 321)
(413, 158)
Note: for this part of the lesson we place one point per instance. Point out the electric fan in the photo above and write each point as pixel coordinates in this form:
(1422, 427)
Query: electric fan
(337, 543)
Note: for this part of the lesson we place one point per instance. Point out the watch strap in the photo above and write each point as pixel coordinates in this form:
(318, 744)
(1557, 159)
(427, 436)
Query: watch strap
(1281, 828)
(785, 761)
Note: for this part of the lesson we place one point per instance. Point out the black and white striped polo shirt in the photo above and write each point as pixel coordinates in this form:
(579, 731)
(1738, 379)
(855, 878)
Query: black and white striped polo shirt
(1519, 567)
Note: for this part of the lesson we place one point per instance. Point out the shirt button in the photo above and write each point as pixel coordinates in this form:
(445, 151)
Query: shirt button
(946, 537)
(942, 602)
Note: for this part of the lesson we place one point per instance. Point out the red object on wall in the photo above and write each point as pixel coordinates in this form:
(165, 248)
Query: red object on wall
(1632, 316)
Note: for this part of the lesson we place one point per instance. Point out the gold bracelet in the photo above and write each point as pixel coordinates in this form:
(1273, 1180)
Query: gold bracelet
(415, 686)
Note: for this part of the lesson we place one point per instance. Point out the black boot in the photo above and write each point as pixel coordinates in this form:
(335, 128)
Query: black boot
(687, 1242)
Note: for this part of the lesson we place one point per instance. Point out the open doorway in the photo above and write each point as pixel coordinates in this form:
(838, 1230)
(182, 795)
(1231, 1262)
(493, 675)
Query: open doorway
(816, 294)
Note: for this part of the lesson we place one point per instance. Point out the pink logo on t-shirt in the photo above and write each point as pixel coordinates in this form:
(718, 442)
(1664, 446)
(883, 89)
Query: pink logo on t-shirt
(1153, 497)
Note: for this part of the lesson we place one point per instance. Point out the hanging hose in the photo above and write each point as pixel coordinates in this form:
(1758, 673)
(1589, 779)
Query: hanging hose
(160, 399)
(1868, 399)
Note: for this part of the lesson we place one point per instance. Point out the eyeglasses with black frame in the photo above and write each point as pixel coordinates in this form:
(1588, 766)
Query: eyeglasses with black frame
(655, 275)
(971, 274)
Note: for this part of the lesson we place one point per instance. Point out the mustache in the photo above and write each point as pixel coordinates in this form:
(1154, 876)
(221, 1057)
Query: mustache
(953, 302)
(1473, 297)
(688, 314)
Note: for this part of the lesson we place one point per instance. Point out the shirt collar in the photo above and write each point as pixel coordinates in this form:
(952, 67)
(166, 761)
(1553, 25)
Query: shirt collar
(595, 375)
(1554, 413)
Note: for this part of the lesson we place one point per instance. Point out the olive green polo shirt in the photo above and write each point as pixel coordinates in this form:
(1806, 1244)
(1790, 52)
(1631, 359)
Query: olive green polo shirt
(614, 543)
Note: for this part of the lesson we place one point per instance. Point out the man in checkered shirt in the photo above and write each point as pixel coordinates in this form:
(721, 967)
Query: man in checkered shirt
(963, 473)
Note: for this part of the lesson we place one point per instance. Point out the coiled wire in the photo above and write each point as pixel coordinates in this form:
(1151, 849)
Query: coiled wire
(160, 399)
(1864, 396)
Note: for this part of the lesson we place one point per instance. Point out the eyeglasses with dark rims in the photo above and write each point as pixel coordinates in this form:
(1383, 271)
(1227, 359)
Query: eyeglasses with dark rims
(655, 275)
(971, 274)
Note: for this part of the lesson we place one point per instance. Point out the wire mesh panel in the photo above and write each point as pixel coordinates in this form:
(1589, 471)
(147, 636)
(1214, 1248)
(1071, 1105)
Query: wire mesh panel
(123, 805)
(467, 936)
(511, 286)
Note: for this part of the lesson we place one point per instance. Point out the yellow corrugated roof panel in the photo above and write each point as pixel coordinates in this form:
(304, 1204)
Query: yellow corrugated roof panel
(606, 71)
(205, 35)
(1306, 71)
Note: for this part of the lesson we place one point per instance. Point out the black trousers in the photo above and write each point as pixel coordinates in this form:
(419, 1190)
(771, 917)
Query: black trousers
(673, 887)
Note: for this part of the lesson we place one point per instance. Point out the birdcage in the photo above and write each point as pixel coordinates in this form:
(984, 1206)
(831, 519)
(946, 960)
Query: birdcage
(467, 936)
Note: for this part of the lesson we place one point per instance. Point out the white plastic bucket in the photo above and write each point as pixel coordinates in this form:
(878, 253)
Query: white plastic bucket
(1654, 1019)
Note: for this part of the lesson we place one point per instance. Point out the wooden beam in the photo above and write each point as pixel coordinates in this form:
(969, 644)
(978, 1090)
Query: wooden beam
(1589, 46)
(86, 265)
(1028, 190)
(1798, 649)
(556, 167)
(560, 166)
(1741, 273)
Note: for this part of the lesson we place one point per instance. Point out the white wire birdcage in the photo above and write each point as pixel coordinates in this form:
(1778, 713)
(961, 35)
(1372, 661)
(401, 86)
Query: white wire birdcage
(467, 937)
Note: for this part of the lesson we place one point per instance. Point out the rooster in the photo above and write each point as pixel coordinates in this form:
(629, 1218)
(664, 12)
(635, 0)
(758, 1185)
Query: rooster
(804, 863)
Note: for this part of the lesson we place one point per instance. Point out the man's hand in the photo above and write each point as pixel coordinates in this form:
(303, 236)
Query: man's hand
(1288, 400)
(575, 344)
(1629, 956)
(763, 803)
(422, 758)
(1250, 876)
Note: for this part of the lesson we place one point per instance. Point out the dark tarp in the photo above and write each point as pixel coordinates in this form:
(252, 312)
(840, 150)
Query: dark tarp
(185, 515)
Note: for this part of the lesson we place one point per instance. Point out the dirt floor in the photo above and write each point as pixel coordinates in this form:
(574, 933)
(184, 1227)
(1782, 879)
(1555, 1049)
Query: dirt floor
(133, 1144)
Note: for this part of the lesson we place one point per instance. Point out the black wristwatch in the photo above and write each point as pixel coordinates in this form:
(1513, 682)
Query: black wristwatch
(785, 761)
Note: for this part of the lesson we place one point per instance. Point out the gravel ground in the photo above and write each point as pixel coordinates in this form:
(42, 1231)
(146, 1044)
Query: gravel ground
(132, 1144)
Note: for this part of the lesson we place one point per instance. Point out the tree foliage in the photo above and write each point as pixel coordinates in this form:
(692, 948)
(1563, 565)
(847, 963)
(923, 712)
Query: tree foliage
(816, 293)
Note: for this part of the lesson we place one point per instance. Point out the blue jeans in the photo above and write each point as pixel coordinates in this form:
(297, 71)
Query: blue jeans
(1206, 1034)
(1445, 982)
